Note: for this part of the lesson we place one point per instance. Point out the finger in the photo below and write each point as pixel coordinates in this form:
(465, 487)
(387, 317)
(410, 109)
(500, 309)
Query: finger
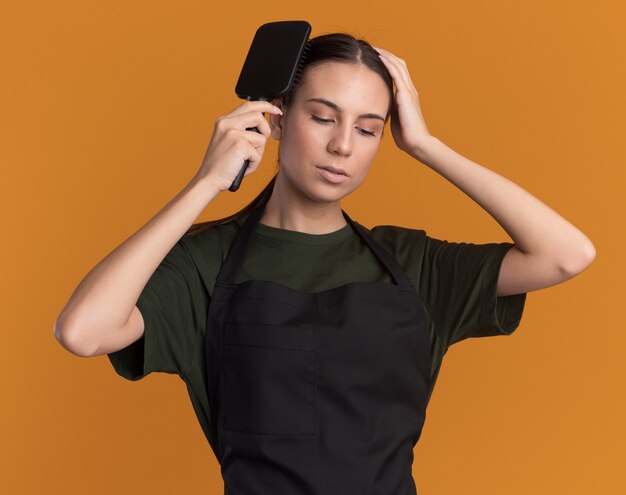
(257, 106)
(379, 49)
(382, 50)
(389, 58)
(399, 65)
(397, 68)
(255, 139)
(252, 119)
(255, 158)
(261, 124)
(254, 164)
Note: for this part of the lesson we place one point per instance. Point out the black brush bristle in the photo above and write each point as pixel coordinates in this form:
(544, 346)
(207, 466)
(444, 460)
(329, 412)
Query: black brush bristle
(301, 62)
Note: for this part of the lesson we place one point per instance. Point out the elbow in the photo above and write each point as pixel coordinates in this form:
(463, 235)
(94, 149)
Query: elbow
(72, 340)
(586, 258)
(590, 253)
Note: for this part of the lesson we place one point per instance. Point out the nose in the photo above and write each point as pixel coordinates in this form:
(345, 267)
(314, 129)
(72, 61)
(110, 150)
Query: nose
(340, 142)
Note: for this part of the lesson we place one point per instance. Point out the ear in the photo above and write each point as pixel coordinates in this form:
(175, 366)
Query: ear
(276, 121)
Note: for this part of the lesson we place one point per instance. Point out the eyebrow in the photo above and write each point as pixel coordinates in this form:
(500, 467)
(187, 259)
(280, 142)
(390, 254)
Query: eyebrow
(336, 107)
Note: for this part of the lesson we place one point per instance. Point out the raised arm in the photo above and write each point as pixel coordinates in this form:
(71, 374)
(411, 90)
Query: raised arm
(548, 249)
(101, 315)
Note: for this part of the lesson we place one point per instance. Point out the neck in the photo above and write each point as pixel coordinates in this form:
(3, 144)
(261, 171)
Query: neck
(290, 209)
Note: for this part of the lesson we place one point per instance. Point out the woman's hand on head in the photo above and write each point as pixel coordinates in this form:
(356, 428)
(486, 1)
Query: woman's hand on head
(231, 144)
(407, 122)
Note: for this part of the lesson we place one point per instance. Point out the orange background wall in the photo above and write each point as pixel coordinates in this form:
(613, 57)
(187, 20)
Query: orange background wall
(106, 110)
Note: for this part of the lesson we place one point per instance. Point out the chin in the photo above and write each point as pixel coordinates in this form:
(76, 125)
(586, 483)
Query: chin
(322, 195)
(319, 192)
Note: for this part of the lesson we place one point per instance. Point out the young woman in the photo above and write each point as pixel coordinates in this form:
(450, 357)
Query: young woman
(309, 344)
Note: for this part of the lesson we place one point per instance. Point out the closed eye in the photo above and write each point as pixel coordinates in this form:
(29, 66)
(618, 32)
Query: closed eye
(326, 121)
(367, 133)
(315, 117)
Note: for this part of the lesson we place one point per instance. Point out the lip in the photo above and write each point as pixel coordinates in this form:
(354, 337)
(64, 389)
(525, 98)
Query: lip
(332, 177)
(335, 170)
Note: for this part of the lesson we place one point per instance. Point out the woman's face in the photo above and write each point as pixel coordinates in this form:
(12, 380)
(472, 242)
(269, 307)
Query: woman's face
(335, 120)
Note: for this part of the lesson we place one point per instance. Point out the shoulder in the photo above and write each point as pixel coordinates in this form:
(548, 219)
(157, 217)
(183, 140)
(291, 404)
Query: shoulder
(208, 247)
(213, 240)
(406, 245)
(399, 240)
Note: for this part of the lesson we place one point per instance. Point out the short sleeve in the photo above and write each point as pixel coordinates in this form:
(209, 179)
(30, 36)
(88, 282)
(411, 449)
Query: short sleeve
(173, 305)
(458, 284)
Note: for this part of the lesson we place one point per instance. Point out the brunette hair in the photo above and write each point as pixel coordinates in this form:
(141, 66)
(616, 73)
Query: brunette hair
(333, 47)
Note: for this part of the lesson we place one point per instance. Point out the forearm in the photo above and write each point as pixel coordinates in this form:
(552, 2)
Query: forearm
(104, 299)
(534, 227)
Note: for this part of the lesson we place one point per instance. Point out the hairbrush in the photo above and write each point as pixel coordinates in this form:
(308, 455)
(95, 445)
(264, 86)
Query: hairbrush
(273, 65)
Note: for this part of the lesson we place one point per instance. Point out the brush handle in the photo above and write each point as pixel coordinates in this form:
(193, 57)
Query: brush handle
(236, 183)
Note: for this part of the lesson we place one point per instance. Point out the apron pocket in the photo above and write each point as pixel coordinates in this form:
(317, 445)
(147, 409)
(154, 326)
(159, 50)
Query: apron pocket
(270, 379)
